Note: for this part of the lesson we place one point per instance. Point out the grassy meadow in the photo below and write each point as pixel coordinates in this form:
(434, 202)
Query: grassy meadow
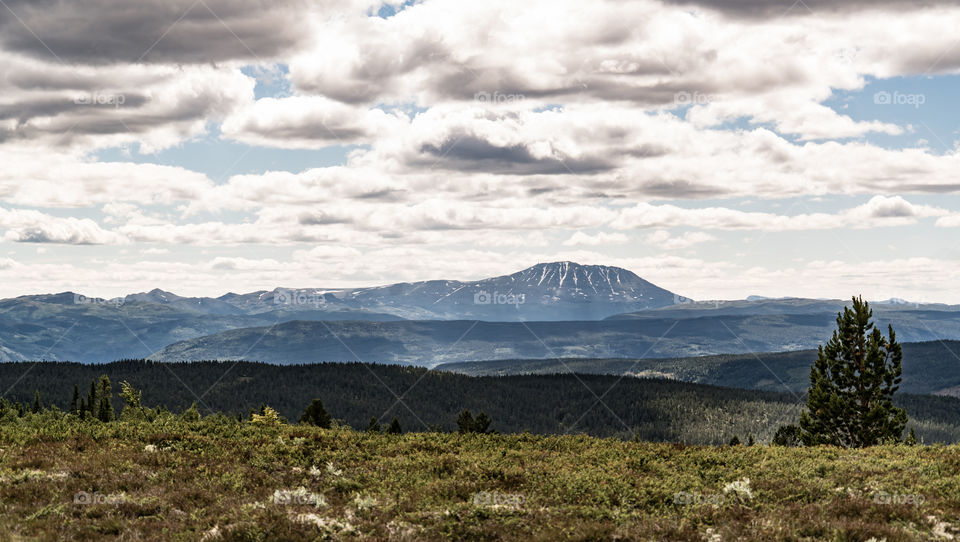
(217, 478)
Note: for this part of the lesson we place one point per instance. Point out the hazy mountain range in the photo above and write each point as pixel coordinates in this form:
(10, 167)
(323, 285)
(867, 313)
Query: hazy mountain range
(559, 309)
(548, 292)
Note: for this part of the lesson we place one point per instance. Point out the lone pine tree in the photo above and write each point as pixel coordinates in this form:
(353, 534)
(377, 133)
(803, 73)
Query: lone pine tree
(105, 408)
(394, 428)
(92, 399)
(75, 401)
(316, 414)
(850, 400)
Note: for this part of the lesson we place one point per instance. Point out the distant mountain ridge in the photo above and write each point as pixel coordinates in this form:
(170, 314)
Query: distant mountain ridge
(546, 291)
(587, 310)
(72, 326)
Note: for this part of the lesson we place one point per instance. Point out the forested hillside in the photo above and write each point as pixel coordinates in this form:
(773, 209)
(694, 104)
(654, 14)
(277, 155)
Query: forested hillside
(651, 409)
(928, 368)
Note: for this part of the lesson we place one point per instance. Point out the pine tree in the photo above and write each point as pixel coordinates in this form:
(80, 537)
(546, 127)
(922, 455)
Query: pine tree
(192, 414)
(374, 426)
(787, 435)
(482, 423)
(315, 414)
(74, 402)
(465, 422)
(36, 402)
(105, 408)
(852, 382)
(395, 428)
(92, 399)
(131, 401)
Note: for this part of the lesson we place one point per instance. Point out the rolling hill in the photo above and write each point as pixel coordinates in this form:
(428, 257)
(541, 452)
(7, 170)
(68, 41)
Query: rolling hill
(430, 343)
(928, 368)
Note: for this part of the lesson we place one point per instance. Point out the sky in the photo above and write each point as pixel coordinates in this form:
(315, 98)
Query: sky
(717, 148)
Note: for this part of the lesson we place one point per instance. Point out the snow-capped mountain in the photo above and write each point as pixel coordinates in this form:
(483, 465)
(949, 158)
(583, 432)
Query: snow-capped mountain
(547, 291)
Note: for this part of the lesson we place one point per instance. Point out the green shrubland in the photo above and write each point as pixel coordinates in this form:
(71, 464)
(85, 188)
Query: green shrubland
(155, 475)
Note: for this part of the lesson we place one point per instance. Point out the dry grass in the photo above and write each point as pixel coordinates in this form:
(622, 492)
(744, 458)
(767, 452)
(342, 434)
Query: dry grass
(62, 479)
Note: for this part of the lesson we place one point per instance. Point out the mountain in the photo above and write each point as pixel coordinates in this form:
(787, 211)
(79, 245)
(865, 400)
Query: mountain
(545, 292)
(71, 326)
(588, 311)
(430, 343)
(68, 326)
(201, 305)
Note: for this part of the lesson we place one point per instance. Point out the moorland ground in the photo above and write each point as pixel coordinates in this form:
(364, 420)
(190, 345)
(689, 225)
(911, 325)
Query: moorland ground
(217, 478)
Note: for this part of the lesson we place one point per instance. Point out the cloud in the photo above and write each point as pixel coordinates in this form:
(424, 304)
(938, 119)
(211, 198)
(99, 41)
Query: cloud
(176, 31)
(767, 9)
(480, 137)
(601, 238)
(880, 211)
(27, 226)
(49, 104)
(305, 122)
(34, 177)
(665, 240)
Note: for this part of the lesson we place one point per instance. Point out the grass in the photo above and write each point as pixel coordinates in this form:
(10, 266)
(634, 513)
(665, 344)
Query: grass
(218, 479)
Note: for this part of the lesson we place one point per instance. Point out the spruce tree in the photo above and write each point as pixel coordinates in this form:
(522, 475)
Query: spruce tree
(92, 399)
(75, 401)
(852, 382)
(395, 428)
(105, 408)
(787, 435)
(465, 422)
(482, 423)
(36, 402)
(374, 426)
(315, 414)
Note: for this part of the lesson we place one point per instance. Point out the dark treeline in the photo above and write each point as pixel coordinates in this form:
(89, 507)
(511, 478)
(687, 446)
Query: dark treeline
(655, 410)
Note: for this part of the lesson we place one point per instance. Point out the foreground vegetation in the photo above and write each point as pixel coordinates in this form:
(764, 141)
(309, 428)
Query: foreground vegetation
(217, 478)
